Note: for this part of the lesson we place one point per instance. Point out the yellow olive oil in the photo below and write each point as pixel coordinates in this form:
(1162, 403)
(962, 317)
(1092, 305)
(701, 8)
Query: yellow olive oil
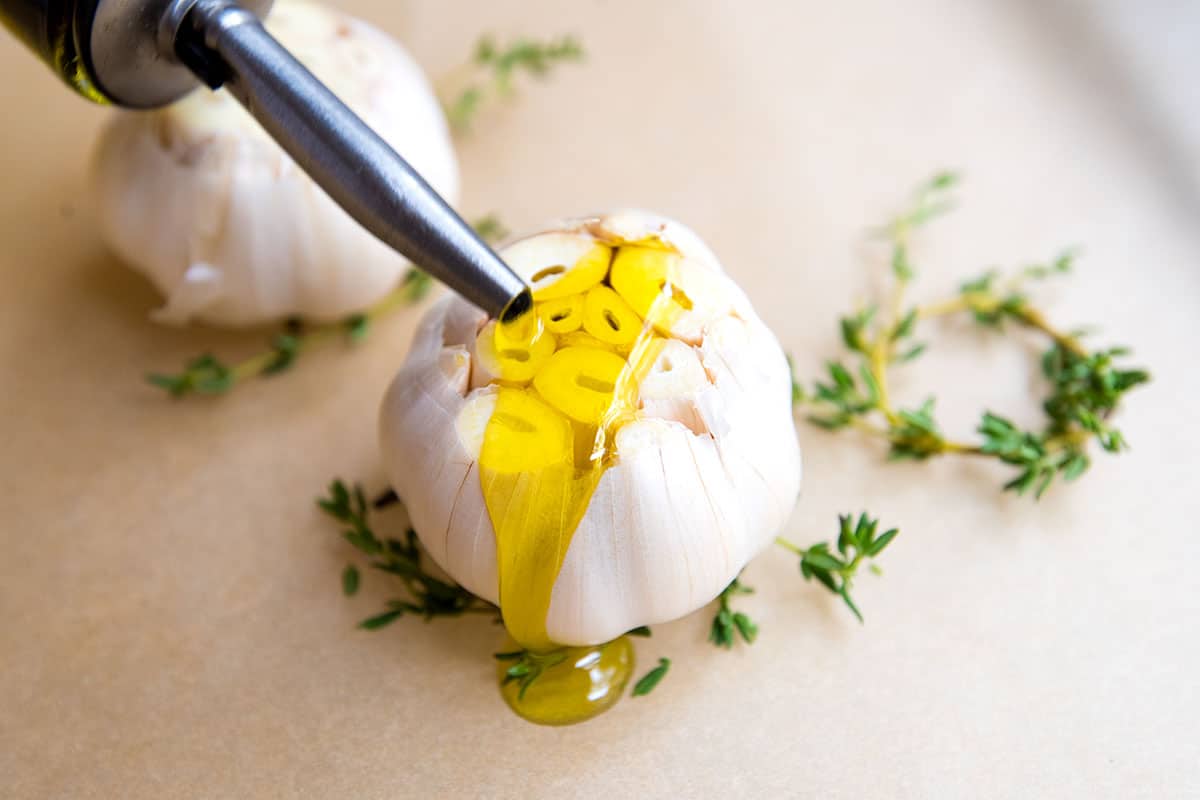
(567, 373)
(588, 681)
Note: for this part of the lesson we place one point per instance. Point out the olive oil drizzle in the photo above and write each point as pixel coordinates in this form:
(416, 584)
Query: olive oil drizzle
(544, 452)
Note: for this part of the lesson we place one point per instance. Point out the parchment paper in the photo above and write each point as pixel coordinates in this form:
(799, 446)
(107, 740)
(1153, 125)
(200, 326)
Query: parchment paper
(170, 619)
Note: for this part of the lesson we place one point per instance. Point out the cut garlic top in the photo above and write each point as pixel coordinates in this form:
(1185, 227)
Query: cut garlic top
(198, 198)
(700, 468)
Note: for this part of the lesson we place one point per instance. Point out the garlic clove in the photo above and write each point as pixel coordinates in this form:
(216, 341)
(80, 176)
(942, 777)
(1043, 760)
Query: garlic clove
(514, 363)
(559, 264)
(674, 385)
(609, 318)
(667, 546)
(633, 225)
(765, 475)
(580, 381)
(199, 287)
(535, 436)
(472, 420)
(426, 408)
(696, 294)
(641, 274)
(563, 314)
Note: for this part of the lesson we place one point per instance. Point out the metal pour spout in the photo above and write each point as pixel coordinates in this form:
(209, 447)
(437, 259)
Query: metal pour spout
(226, 45)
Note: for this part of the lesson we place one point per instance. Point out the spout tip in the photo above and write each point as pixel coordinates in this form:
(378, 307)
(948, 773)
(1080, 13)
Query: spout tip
(517, 306)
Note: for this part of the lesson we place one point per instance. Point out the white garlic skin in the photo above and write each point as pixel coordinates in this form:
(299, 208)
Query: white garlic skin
(703, 480)
(201, 201)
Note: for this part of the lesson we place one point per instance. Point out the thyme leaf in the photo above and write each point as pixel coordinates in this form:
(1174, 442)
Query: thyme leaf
(651, 679)
(350, 580)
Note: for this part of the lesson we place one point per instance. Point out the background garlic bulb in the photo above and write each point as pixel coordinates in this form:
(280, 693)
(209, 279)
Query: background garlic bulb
(207, 206)
(704, 474)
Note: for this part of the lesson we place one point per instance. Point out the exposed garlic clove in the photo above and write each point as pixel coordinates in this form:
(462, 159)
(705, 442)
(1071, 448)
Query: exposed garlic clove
(580, 381)
(199, 199)
(563, 314)
(676, 386)
(513, 363)
(697, 295)
(703, 476)
(559, 264)
(635, 225)
(609, 318)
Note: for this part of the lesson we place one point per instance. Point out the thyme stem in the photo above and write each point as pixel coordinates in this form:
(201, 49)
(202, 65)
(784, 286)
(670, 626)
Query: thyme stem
(1086, 385)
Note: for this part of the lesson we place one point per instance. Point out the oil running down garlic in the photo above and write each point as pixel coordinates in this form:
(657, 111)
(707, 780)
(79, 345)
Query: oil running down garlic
(550, 437)
(558, 406)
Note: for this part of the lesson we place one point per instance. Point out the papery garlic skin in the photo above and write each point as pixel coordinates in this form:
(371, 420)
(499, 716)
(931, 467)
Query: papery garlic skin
(199, 199)
(703, 479)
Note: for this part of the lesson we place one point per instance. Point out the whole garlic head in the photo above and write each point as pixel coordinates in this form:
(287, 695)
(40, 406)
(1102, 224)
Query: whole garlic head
(700, 477)
(199, 199)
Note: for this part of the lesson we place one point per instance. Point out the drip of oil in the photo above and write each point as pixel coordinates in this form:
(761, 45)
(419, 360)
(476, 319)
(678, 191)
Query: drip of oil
(587, 682)
(548, 443)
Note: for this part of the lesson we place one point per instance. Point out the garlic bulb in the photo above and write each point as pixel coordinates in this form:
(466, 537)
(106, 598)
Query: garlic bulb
(198, 198)
(702, 468)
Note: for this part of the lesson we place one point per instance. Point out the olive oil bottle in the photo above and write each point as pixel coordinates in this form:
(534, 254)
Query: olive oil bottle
(57, 31)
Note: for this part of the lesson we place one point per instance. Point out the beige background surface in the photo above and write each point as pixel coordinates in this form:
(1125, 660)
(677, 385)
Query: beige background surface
(170, 619)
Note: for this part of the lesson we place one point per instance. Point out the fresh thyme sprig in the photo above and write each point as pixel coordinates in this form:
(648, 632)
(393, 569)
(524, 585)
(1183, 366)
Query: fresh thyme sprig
(834, 566)
(728, 624)
(427, 595)
(207, 374)
(528, 665)
(1086, 387)
(857, 543)
(492, 70)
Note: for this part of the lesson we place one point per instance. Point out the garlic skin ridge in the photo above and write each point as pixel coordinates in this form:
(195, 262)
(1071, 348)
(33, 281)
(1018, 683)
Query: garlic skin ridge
(201, 201)
(702, 482)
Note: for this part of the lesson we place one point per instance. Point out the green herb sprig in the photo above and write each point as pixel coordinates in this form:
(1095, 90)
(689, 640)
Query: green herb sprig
(426, 595)
(492, 70)
(727, 624)
(1086, 387)
(207, 374)
(527, 666)
(835, 566)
